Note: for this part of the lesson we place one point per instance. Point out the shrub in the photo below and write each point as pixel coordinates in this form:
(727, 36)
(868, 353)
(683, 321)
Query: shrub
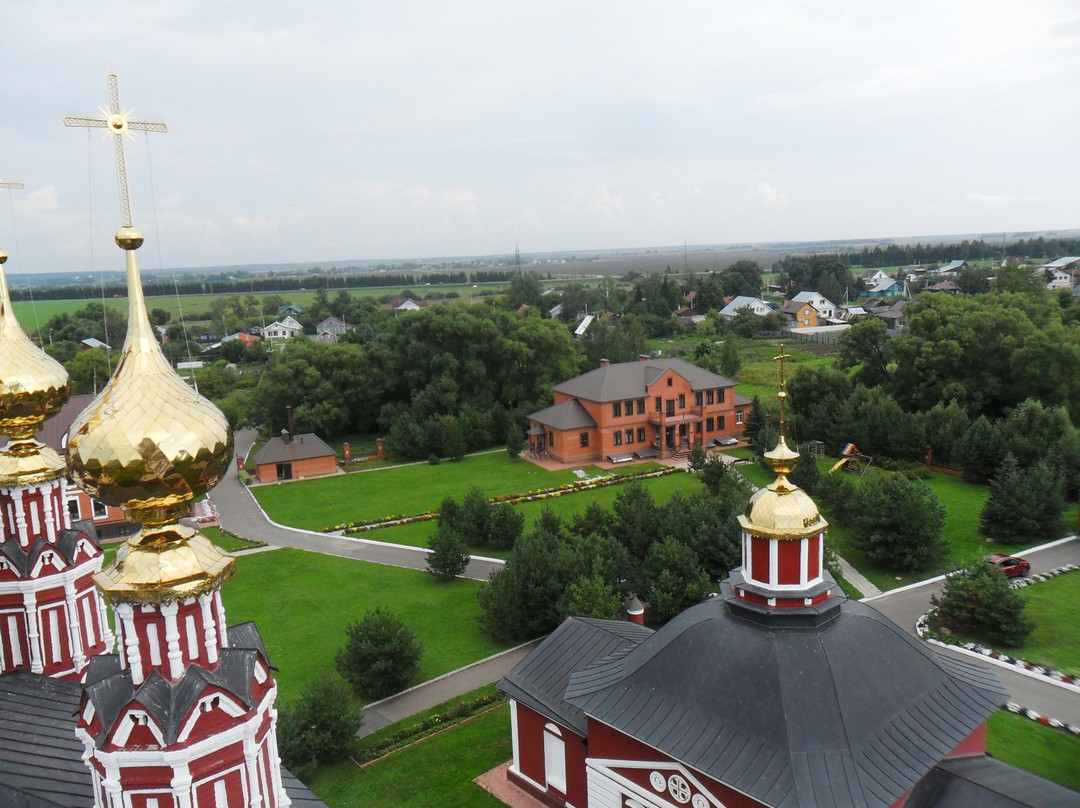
(320, 727)
(381, 654)
(978, 601)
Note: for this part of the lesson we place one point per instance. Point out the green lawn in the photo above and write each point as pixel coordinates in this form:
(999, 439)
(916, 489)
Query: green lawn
(1048, 752)
(418, 534)
(438, 771)
(302, 602)
(406, 490)
(1051, 605)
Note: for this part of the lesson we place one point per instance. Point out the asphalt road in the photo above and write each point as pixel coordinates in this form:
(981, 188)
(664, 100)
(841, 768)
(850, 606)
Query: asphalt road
(239, 513)
(907, 605)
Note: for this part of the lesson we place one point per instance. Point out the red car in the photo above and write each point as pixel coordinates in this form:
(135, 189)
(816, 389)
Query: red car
(1012, 566)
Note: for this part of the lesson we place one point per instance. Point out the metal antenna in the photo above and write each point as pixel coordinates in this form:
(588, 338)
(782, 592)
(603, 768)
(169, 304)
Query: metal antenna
(17, 186)
(117, 122)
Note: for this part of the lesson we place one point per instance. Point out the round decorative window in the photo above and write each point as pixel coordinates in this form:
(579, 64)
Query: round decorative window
(657, 781)
(679, 788)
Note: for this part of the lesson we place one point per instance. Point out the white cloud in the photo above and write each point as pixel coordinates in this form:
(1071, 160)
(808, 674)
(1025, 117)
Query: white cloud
(768, 195)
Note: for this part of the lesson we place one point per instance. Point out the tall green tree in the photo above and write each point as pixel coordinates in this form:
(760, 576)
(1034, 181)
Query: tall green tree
(978, 603)
(381, 654)
(898, 522)
(1024, 505)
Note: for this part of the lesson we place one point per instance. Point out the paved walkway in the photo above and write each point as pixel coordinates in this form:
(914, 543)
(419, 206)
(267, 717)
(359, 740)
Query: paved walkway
(430, 694)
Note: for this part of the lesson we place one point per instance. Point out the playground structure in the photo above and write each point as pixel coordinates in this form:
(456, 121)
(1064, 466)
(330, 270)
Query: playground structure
(853, 461)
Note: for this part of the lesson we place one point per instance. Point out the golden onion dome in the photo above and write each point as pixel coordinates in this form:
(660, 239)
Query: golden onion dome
(33, 385)
(782, 510)
(148, 443)
(164, 565)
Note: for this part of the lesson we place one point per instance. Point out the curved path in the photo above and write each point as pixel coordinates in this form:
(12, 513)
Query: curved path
(239, 512)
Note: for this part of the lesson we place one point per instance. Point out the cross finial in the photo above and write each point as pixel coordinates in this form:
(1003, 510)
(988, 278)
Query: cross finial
(17, 186)
(782, 394)
(117, 122)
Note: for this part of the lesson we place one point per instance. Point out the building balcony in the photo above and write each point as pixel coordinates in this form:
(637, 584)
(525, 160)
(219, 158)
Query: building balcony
(678, 417)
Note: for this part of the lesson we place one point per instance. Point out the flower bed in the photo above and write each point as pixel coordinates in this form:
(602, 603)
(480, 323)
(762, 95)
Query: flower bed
(512, 499)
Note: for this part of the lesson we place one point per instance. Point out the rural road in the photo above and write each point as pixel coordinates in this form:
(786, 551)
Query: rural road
(239, 513)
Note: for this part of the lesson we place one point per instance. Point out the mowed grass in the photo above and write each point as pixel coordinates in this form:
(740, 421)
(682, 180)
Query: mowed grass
(406, 490)
(1047, 752)
(302, 602)
(419, 534)
(438, 771)
(1052, 607)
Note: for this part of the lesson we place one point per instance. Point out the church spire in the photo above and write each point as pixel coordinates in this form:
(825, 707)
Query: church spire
(186, 709)
(783, 574)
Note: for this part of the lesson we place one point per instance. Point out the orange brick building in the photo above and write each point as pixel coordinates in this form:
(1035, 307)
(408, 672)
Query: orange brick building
(293, 457)
(649, 408)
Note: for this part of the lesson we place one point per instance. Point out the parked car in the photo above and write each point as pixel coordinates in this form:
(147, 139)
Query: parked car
(1012, 566)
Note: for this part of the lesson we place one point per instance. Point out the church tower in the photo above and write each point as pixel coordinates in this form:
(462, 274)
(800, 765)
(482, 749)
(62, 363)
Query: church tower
(51, 617)
(184, 714)
(783, 537)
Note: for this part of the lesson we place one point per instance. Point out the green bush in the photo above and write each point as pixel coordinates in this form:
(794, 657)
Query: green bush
(381, 654)
(320, 727)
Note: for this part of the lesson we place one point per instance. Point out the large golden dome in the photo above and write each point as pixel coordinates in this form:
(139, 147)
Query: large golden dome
(148, 443)
(33, 385)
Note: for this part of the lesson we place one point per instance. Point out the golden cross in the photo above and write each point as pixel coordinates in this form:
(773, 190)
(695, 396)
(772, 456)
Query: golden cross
(117, 122)
(18, 186)
(782, 394)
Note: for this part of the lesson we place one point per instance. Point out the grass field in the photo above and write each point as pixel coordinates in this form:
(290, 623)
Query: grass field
(407, 490)
(1047, 752)
(302, 602)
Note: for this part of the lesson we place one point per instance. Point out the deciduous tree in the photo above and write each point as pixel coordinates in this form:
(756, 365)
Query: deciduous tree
(381, 654)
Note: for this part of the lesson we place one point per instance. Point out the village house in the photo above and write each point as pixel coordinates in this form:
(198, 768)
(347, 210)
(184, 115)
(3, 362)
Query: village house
(283, 329)
(809, 310)
(755, 304)
(291, 457)
(648, 408)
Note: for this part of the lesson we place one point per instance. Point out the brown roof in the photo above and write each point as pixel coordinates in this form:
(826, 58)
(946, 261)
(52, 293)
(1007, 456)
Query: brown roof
(301, 447)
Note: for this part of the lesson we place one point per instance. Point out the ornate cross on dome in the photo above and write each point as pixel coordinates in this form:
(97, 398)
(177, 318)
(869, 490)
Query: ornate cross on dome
(118, 122)
(782, 395)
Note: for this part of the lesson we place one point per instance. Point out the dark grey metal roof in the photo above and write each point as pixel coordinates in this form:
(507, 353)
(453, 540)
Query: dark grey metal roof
(985, 782)
(568, 415)
(540, 679)
(301, 447)
(41, 762)
(24, 559)
(40, 757)
(850, 713)
(632, 379)
(742, 401)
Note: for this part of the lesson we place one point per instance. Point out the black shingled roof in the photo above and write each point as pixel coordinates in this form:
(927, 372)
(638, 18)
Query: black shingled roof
(24, 560)
(854, 712)
(41, 759)
(541, 678)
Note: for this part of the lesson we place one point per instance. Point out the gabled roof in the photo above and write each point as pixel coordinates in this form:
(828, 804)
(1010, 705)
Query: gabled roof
(568, 415)
(632, 379)
(1062, 263)
(301, 447)
(24, 559)
(854, 712)
(540, 679)
(742, 302)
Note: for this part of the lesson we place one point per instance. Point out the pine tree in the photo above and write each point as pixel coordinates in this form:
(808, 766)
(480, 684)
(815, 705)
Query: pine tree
(755, 420)
(1024, 504)
(449, 556)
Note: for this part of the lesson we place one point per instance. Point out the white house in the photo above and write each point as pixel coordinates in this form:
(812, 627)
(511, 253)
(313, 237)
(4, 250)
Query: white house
(825, 307)
(283, 329)
(755, 304)
(1061, 274)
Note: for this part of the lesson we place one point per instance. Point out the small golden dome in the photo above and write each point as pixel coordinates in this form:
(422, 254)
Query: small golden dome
(163, 566)
(33, 387)
(782, 510)
(148, 443)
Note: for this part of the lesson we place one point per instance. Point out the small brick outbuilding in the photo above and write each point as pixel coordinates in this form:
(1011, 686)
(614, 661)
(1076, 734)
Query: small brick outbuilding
(291, 457)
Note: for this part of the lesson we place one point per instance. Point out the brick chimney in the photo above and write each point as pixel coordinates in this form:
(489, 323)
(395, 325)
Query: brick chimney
(604, 363)
(635, 612)
(643, 357)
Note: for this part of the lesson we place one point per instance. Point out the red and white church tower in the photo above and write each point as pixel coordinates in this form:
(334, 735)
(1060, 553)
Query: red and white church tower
(52, 619)
(183, 715)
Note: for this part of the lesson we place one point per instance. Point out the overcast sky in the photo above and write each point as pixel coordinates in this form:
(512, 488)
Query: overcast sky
(326, 131)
